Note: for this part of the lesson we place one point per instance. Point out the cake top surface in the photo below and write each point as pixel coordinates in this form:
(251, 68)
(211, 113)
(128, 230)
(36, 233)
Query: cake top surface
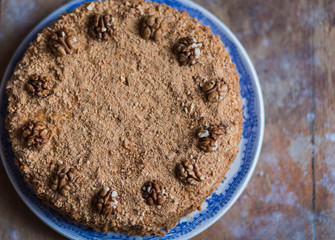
(125, 116)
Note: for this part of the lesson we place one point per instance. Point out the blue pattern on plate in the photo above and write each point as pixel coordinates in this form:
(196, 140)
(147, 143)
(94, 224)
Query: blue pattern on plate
(219, 202)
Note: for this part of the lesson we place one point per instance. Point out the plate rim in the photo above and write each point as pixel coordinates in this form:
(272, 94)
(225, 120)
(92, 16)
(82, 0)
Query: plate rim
(19, 50)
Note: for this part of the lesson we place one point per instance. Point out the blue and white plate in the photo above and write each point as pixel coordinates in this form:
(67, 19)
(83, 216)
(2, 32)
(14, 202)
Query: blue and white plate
(230, 189)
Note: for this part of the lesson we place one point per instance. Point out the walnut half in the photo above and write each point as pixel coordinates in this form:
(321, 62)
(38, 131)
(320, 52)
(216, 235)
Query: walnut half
(208, 137)
(153, 28)
(36, 134)
(215, 90)
(101, 27)
(39, 86)
(63, 43)
(107, 201)
(154, 193)
(188, 172)
(64, 180)
(188, 50)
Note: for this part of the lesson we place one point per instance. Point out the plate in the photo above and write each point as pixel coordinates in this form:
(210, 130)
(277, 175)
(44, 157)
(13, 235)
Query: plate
(229, 190)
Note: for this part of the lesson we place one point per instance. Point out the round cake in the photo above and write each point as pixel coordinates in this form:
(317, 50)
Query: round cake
(125, 116)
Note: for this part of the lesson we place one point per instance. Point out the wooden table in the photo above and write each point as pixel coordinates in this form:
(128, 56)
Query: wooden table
(292, 45)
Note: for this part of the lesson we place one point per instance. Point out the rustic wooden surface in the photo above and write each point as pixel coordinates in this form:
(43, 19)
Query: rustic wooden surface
(292, 45)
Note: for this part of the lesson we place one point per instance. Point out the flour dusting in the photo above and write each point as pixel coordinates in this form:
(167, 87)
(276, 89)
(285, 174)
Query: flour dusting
(330, 136)
(300, 150)
(7, 230)
(310, 117)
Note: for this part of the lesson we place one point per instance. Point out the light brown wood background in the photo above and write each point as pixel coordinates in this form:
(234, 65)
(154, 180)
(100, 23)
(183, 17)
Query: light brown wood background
(292, 45)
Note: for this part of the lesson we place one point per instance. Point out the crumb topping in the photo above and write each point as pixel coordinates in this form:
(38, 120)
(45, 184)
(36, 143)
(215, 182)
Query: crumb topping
(105, 109)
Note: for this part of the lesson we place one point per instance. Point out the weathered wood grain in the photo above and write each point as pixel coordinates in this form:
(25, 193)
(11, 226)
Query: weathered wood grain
(2, 8)
(292, 44)
(277, 203)
(323, 74)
